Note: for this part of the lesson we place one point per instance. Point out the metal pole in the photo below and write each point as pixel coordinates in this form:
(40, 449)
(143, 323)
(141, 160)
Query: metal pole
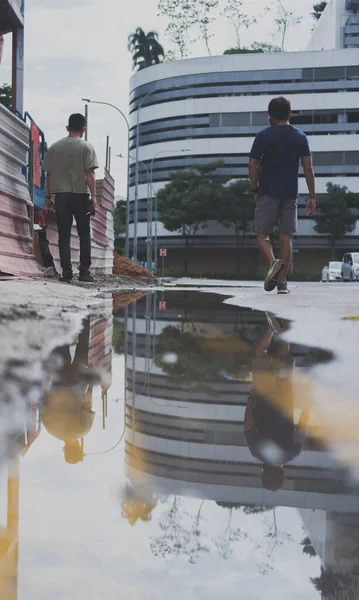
(127, 243)
(107, 150)
(148, 253)
(109, 159)
(87, 120)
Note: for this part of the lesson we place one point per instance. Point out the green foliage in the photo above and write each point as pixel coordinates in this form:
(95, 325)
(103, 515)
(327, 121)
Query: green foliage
(182, 18)
(284, 18)
(255, 48)
(308, 548)
(334, 217)
(120, 225)
(189, 200)
(237, 207)
(330, 584)
(204, 17)
(237, 210)
(318, 8)
(265, 47)
(233, 13)
(201, 361)
(6, 95)
(145, 49)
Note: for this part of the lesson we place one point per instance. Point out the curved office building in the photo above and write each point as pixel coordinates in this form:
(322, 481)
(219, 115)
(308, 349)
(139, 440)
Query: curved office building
(200, 110)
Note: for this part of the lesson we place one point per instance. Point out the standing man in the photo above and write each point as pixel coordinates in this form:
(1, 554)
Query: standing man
(70, 165)
(273, 172)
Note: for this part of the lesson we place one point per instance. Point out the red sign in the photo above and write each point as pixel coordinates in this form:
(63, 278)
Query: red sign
(163, 252)
(163, 305)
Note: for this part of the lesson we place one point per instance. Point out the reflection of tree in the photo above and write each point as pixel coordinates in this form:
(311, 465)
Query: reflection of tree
(136, 508)
(332, 585)
(308, 547)
(176, 538)
(202, 359)
(231, 535)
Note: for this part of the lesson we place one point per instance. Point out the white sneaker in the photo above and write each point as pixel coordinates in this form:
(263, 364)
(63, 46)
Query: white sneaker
(50, 272)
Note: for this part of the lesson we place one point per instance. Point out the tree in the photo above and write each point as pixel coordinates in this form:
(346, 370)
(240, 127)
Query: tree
(237, 211)
(120, 225)
(283, 18)
(204, 17)
(265, 47)
(233, 13)
(255, 48)
(318, 8)
(182, 19)
(188, 201)
(330, 584)
(145, 49)
(6, 95)
(308, 548)
(334, 216)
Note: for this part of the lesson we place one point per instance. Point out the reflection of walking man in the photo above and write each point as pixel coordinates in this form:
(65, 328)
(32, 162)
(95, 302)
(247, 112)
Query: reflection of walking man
(272, 436)
(67, 413)
(70, 165)
(278, 149)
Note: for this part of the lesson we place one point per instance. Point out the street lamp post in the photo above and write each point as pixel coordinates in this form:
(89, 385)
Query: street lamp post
(127, 241)
(149, 195)
(156, 203)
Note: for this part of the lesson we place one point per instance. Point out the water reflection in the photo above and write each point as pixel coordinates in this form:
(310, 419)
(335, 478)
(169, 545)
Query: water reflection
(215, 410)
(217, 476)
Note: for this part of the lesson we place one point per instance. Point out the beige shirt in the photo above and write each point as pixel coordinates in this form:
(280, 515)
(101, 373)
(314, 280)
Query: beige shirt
(67, 162)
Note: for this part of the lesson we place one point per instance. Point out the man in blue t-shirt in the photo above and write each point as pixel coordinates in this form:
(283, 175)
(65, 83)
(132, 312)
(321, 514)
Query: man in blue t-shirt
(273, 172)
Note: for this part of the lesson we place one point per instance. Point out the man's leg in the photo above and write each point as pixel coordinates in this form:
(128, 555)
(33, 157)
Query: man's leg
(286, 255)
(64, 225)
(288, 217)
(265, 246)
(80, 210)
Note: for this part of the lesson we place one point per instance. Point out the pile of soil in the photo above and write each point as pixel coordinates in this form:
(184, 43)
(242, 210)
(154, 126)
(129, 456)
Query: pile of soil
(124, 266)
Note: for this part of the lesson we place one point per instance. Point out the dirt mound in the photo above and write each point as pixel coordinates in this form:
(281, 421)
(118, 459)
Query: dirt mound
(124, 266)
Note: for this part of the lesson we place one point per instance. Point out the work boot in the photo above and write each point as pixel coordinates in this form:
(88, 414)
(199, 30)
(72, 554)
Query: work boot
(66, 277)
(85, 276)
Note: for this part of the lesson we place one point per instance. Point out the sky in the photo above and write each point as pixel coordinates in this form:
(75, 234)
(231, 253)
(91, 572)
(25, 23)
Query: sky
(78, 49)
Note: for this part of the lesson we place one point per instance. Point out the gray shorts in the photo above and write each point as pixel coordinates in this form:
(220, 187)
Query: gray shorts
(273, 213)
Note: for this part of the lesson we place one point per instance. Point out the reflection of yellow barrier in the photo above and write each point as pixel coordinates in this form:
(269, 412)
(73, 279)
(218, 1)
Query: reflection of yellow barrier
(9, 538)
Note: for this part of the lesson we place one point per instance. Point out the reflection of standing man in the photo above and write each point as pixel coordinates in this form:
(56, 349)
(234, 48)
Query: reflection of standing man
(70, 165)
(67, 413)
(272, 436)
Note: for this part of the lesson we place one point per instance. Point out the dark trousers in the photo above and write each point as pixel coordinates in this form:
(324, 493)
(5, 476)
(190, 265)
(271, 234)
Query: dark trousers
(47, 258)
(68, 206)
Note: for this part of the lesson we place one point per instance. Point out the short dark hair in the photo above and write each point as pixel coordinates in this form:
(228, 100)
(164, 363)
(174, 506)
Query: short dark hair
(280, 108)
(272, 478)
(77, 122)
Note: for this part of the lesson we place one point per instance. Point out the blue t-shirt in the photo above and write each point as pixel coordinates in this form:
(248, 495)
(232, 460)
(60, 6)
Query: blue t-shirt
(280, 166)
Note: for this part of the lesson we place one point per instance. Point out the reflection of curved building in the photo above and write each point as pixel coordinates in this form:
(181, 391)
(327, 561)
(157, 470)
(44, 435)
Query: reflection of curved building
(185, 426)
(188, 435)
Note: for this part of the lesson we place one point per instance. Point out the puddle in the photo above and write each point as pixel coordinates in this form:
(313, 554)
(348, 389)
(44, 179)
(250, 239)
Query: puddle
(180, 447)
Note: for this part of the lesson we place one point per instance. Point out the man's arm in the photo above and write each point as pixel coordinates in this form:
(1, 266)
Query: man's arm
(253, 176)
(91, 182)
(310, 179)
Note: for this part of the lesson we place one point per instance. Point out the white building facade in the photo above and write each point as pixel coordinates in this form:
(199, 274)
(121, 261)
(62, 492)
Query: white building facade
(213, 107)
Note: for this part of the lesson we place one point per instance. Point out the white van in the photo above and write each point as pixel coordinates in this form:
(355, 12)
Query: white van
(350, 266)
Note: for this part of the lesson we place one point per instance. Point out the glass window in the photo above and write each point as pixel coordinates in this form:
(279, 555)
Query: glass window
(215, 120)
(260, 118)
(235, 119)
(329, 73)
(328, 158)
(353, 72)
(351, 158)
